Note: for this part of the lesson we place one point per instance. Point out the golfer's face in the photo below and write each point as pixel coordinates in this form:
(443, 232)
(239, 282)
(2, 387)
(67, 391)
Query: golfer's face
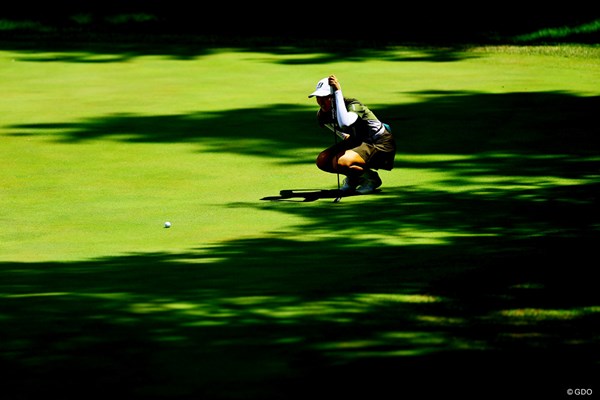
(324, 103)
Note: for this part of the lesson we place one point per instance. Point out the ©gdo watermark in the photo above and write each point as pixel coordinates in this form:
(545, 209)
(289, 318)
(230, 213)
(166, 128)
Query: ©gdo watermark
(579, 392)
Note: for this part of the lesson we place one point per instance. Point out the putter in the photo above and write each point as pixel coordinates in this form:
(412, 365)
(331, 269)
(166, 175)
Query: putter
(335, 140)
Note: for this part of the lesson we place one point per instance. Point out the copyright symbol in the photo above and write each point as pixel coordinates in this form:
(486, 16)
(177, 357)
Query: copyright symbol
(569, 391)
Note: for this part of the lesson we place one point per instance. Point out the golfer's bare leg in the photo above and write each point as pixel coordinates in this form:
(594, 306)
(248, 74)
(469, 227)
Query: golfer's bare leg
(328, 160)
(350, 163)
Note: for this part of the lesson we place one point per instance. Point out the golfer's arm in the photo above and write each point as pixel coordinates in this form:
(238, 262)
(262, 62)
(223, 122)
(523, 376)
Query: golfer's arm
(344, 117)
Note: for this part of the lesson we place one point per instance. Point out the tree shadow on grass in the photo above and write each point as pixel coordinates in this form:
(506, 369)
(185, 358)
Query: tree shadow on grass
(482, 281)
(96, 49)
(280, 318)
(489, 292)
(442, 123)
(111, 35)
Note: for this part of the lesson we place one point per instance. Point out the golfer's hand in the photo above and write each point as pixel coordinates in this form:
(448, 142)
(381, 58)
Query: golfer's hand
(333, 82)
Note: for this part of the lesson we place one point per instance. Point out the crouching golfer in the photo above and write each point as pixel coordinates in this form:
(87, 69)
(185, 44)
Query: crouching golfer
(366, 144)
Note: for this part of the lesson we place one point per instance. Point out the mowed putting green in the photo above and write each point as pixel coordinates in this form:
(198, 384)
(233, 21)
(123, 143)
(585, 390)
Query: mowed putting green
(98, 154)
(469, 274)
(102, 154)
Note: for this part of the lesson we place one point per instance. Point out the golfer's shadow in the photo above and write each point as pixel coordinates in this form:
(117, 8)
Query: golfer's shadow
(307, 195)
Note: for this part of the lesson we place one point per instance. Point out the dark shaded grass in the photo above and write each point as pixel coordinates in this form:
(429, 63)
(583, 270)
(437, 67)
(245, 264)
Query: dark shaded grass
(81, 345)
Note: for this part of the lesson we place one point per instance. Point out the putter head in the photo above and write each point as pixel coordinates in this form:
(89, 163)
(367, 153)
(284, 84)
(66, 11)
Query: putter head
(337, 199)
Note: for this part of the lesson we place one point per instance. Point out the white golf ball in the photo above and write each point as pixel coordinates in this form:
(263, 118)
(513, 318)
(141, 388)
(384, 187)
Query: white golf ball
(167, 224)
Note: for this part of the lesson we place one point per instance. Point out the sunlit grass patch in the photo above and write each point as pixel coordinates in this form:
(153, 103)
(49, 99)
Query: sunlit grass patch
(532, 315)
(30, 295)
(382, 298)
(261, 309)
(398, 344)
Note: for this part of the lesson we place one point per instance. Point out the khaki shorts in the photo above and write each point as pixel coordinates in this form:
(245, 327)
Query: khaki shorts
(378, 155)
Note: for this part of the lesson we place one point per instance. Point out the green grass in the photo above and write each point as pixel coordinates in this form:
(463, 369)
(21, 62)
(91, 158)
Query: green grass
(106, 152)
(478, 247)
